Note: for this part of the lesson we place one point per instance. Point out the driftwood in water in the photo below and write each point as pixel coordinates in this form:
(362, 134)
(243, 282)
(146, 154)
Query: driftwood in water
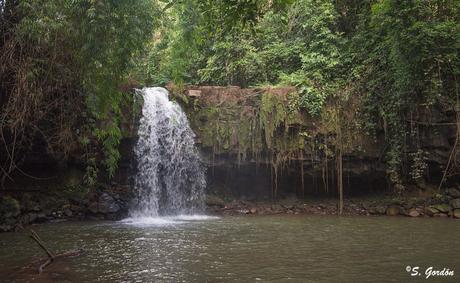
(51, 257)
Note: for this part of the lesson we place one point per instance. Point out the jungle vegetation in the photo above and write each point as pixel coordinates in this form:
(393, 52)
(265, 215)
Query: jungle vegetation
(63, 64)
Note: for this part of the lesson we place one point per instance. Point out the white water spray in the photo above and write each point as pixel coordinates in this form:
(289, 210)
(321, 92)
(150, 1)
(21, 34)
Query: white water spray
(170, 177)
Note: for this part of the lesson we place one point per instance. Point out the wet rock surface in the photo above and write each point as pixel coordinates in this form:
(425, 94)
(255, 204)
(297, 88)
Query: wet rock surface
(409, 207)
(455, 203)
(393, 210)
(453, 192)
(456, 213)
(105, 204)
(109, 203)
(112, 203)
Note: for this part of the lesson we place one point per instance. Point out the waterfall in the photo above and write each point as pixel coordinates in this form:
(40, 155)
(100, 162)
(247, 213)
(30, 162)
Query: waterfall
(170, 178)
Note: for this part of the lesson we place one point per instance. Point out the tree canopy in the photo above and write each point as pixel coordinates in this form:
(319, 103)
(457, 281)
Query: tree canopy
(62, 64)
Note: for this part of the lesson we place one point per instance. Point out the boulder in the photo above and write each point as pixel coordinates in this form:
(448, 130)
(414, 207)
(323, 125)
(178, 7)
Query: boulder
(413, 212)
(75, 208)
(392, 210)
(277, 208)
(430, 211)
(9, 207)
(291, 207)
(455, 203)
(366, 205)
(68, 212)
(444, 208)
(453, 192)
(377, 210)
(194, 93)
(212, 200)
(456, 213)
(107, 204)
(93, 207)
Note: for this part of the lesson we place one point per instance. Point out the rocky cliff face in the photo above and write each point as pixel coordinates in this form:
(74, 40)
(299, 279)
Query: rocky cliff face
(258, 145)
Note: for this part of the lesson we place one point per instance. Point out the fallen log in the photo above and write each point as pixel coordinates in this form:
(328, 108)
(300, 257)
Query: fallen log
(51, 257)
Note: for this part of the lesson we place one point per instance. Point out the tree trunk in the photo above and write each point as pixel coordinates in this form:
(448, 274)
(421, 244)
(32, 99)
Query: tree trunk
(339, 162)
(340, 180)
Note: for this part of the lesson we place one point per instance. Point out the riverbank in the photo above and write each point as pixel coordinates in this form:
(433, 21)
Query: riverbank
(112, 203)
(19, 209)
(443, 206)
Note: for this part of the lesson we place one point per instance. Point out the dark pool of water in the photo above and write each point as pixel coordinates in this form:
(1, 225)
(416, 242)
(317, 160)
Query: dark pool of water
(242, 249)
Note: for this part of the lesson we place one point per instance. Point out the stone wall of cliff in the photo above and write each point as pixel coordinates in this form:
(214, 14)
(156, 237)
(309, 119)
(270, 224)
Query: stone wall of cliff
(257, 145)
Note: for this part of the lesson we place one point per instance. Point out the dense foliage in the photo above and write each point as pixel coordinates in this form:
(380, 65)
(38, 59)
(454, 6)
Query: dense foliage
(62, 64)
(61, 67)
(412, 63)
(392, 60)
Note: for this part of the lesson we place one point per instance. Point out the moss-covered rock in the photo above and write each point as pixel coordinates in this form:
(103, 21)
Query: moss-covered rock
(444, 208)
(431, 211)
(213, 200)
(244, 122)
(393, 210)
(269, 126)
(9, 208)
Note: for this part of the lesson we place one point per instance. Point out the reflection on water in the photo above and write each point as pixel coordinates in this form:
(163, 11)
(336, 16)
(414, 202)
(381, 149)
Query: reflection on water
(245, 249)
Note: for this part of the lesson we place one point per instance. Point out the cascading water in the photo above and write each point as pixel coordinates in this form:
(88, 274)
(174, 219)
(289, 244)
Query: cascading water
(170, 176)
